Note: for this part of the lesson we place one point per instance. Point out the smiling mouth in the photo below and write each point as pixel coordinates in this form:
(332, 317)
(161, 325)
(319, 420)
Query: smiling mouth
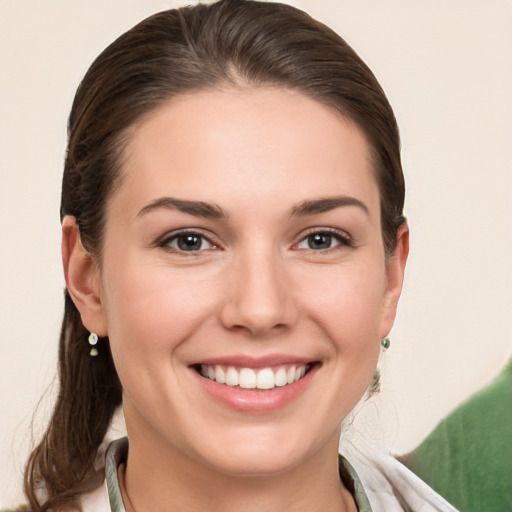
(250, 378)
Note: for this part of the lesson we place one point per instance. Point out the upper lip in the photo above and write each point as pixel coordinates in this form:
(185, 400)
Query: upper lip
(246, 361)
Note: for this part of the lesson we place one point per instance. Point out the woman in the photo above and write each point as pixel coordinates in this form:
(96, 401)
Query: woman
(234, 247)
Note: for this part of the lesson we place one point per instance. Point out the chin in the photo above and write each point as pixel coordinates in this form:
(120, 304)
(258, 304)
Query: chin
(257, 454)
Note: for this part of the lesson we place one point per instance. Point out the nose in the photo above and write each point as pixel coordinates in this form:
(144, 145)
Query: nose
(259, 298)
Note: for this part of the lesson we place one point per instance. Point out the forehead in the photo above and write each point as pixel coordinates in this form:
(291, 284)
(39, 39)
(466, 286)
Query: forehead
(246, 143)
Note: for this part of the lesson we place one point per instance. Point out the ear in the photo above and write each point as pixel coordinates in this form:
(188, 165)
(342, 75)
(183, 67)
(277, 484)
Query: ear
(395, 268)
(83, 279)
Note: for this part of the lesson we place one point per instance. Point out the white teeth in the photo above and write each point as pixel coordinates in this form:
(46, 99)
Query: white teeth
(281, 377)
(220, 374)
(248, 378)
(232, 377)
(266, 379)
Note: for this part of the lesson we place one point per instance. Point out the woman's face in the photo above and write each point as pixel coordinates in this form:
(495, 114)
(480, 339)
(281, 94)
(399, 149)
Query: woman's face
(244, 245)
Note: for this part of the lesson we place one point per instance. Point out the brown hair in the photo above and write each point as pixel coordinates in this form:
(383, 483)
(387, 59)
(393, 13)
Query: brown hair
(228, 43)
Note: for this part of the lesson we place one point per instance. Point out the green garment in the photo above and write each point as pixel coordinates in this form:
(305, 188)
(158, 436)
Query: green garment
(467, 459)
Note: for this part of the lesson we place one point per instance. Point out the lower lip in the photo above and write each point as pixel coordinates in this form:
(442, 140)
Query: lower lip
(255, 400)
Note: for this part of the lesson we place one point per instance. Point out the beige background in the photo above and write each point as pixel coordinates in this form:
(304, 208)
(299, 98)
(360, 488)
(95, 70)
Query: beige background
(447, 69)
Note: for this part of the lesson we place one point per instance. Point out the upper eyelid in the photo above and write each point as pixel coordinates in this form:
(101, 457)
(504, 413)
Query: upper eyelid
(331, 231)
(164, 239)
(340, 233)
(344, 238)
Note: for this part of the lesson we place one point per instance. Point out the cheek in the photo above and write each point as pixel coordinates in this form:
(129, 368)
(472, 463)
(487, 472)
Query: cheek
(349, 308)
(347, 301)
(152, 309)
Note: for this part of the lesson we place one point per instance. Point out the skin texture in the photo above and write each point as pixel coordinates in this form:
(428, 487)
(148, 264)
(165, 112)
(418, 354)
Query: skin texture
(256, 288)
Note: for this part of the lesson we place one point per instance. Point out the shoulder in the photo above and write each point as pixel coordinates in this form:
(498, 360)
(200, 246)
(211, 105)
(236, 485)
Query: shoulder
(104, 496)
(107, 497)
(97, 500)
(389, 485)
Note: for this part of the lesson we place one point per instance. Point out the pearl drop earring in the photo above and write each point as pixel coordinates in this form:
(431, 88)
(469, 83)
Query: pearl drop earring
(93, 340)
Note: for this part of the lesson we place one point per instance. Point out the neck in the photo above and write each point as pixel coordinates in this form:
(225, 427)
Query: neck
(165, 479)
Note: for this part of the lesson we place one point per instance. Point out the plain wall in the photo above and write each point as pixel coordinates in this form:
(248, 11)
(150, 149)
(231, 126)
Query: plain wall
(447, 70)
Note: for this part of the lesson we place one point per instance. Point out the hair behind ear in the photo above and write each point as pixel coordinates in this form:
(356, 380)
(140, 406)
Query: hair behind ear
(89, 394)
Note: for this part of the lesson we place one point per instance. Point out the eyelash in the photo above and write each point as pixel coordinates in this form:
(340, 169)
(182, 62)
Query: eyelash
(165, 243)
(343, 239)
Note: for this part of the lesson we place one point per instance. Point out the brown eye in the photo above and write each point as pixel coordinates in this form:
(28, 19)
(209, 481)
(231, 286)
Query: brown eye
(319, 241)
(189, 242)
(322, 241)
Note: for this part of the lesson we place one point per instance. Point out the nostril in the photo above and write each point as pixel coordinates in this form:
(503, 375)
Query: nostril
(259, 301)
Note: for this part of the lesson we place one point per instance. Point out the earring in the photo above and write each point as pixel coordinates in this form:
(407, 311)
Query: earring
(385, 343)
(93, 339)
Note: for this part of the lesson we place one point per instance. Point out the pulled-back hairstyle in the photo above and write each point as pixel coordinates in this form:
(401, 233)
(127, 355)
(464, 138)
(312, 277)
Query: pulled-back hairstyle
(231, 43)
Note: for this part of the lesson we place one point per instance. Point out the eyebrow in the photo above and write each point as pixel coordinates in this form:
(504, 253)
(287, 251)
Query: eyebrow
(196, 208)
(214, 211)
(314, 206)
